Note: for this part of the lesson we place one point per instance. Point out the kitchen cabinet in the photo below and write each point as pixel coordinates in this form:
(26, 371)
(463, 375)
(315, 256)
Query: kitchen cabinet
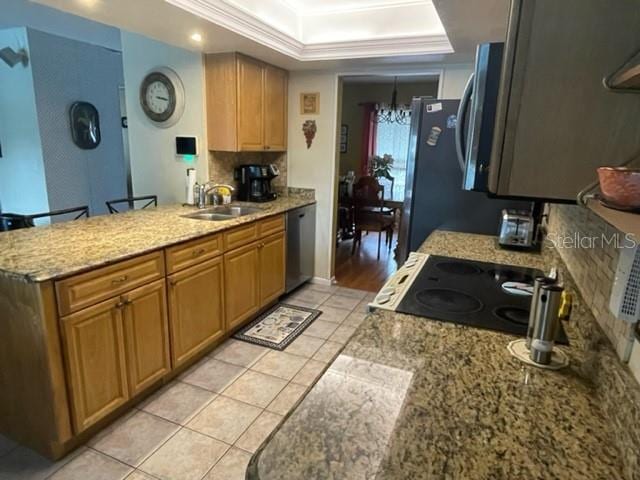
(556, 122)
(242, 284)
(96, 364)
(246, 104)
(146, 335)
(196, 309)
(275, 108)
(272, 268)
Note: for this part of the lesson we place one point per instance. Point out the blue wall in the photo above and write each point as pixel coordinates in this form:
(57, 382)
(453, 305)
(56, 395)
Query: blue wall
(22, 177)
(65, 71)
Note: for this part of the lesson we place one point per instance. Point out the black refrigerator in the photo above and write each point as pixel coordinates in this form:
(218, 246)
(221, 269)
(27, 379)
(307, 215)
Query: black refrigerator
(434, 198)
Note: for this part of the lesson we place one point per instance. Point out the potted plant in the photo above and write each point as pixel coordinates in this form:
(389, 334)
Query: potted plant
(381, 166)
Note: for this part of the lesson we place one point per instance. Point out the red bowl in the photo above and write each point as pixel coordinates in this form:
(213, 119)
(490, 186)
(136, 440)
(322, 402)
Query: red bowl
(620, 186)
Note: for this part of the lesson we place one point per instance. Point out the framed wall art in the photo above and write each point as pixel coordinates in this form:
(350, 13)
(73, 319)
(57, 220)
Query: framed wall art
(344, 138)
(309, 103)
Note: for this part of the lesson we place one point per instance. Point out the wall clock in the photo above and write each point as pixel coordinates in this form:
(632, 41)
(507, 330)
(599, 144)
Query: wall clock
(162, 97)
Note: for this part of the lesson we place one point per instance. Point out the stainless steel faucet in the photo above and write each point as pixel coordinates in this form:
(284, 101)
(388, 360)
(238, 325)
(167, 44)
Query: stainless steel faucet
(206, 189)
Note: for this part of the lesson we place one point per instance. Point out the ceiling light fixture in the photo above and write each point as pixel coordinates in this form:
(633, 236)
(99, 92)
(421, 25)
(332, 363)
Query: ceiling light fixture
(393, 113)
(196, 37)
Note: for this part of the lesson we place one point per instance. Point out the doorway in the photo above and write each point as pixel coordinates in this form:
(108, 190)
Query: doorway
(374, 129)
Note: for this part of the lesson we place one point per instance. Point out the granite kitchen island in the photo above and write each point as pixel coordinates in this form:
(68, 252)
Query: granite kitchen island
(413, 398)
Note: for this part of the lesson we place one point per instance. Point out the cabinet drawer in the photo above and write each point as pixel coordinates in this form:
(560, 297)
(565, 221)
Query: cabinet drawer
(241, 236)
(194, 252)
(92, 287)
(271, 225)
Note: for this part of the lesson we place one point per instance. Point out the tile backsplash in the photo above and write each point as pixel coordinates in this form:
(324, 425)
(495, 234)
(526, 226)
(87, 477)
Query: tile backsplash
(584, 241)
(222, 164)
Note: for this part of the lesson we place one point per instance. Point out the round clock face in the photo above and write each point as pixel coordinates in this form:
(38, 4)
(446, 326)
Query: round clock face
(162, 97)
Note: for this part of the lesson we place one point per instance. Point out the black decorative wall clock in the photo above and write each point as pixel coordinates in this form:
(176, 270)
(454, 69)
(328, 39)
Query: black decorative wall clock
(85, 125)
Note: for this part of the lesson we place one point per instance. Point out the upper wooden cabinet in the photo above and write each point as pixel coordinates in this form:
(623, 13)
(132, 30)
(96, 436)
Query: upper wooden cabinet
(246, 104)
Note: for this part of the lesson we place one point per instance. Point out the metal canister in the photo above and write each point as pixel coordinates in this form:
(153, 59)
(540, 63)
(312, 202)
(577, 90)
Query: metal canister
(535, 301)
(547, 323)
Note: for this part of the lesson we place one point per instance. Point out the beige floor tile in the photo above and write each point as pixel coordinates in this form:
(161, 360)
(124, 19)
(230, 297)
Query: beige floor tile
(342, 334)
(177, 402)
(287, 398)
(338, 301)
(280, 364)
(92, 465)
(300, 303)
(134, 437)
(140, 475)
(310, 373)
(255, 388)
(354, 319)
(305, 346)
(212, 374)
(258, 431)
(362, 307)
(239, 353)
(225, 419)
(24, 464)
(327, 352)
(322, 288)
(6, 445)
(351, 292)
(188, 455)
(321, 329)
(233, 466)
(309, 296)
(333, 315)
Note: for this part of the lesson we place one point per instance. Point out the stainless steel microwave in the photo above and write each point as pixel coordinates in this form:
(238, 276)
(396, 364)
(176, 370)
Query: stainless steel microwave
(537, 119)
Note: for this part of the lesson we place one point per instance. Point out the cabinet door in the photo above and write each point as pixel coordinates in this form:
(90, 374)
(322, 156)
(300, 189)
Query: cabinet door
(275, 109)
(250, 105)
(196, 314)
(272, 268)
(242, 295)
(146, 335)
(94, 350)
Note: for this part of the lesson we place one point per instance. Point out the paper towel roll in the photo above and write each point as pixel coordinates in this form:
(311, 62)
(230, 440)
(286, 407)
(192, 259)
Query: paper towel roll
(191, 182)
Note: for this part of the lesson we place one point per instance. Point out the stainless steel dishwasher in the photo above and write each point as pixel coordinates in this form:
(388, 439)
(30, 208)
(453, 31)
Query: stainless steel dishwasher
(301, 246)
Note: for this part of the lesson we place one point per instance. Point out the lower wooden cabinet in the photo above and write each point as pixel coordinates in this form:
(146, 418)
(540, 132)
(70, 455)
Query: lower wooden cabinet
(242, 284)
(272, 268)
(96, 364)
(146, 335)
(196, 314)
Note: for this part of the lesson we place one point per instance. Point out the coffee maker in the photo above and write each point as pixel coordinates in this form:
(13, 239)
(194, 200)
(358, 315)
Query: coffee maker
(254, 182)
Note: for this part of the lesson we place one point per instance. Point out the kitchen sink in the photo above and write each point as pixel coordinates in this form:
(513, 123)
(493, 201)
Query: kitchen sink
(226, 212)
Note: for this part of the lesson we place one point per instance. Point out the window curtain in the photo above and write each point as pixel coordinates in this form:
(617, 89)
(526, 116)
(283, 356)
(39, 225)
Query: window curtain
(369, 135)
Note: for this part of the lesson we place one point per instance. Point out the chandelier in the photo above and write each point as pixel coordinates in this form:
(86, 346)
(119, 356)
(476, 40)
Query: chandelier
(393, 113)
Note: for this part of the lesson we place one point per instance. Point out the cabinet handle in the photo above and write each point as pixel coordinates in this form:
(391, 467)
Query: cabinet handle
(172, 283)
(198, 252)
(118, 280)
(267, 147)
(119, 305)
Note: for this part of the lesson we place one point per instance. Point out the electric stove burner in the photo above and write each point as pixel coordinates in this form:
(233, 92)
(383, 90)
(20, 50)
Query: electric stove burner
(458, 268)
(477, 294)
(449, 301)
(513, 314)
(502, 275)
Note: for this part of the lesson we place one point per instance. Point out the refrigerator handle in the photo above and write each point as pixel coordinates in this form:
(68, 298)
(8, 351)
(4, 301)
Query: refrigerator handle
(462, 110)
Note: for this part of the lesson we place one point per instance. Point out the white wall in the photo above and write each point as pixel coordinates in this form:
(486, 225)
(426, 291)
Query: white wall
(155, 169)
(22, 177)
(316, 167)
(453, 80)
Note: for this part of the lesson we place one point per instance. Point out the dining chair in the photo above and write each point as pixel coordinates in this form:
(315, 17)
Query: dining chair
(15, 221)
(130, 201)
(370, 214)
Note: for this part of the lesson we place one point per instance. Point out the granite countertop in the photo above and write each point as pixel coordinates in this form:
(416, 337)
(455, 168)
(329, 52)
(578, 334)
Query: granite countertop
(61, 249)
(412, 398)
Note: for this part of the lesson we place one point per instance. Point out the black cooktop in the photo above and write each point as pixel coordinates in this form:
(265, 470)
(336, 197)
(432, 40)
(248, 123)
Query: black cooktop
(478, 294)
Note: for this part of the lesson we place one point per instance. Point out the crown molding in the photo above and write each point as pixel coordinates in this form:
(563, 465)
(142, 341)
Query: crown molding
(249, 26)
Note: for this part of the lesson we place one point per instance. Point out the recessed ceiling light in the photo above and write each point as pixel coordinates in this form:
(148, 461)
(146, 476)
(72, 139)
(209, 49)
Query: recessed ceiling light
(196, 37)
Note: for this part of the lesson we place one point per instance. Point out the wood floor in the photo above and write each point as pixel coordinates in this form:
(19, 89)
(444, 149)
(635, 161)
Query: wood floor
(362, 270)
